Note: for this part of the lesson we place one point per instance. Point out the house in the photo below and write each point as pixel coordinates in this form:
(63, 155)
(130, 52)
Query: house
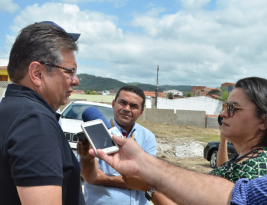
(79, 92)
(174, 92)
(4, 77)
(227, 87)
(153, 94)
(105, 92)
(4, 74)
(205, 91)
(197, 90)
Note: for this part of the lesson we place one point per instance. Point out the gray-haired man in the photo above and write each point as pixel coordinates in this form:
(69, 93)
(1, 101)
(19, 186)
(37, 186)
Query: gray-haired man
(37, 163)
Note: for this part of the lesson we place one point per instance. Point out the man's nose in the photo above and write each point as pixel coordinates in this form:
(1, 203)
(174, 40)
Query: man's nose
(127, 107)
(75, 81)
(224, 113)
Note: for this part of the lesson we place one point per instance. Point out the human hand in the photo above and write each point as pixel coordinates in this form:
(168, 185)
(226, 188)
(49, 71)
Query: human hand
(126, 161)
(83, 150)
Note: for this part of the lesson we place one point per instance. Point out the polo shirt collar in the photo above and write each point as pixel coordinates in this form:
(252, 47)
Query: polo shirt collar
(23, 91)
(122, 130)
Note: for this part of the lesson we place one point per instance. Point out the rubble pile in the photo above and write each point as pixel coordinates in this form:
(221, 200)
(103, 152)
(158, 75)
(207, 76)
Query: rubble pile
(179, 149)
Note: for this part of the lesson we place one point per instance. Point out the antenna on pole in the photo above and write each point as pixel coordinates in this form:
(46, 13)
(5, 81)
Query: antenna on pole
(156, 100)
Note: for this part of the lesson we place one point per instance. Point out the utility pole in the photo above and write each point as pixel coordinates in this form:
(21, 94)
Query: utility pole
(156, 100)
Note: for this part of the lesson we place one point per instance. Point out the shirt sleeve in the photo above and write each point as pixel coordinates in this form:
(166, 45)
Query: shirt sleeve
(34, 150)
(150, 146)
(250, 192)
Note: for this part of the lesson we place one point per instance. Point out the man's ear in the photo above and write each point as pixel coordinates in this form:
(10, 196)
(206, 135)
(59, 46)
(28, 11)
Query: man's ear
(141, 113)
(263, 123)
(113, 103)
(35, 73)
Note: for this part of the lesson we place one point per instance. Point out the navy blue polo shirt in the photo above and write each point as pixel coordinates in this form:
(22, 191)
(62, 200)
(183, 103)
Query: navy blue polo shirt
(34, 149)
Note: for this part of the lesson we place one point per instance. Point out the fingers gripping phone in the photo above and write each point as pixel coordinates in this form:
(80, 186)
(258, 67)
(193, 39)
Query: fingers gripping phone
(99, 136)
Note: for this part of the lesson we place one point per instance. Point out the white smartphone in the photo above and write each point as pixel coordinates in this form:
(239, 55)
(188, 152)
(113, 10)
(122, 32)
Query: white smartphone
(99, 136)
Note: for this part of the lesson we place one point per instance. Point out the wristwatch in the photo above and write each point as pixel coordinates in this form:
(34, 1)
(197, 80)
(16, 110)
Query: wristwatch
(149, 193)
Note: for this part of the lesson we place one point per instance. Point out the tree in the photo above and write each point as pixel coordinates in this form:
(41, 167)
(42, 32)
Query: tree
(89, 92)
(225, 96)
(188, 94)
(170, 95)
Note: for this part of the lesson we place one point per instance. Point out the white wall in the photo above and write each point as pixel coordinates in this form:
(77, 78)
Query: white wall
(199, 103)
(148, 102)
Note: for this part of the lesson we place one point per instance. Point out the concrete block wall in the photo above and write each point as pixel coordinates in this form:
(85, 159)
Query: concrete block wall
(182, 117)
(212, 122)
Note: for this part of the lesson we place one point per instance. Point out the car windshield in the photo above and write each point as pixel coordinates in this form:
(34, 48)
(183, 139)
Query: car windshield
(75, 111)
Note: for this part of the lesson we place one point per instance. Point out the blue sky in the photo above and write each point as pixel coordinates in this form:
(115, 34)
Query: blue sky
(194, 42)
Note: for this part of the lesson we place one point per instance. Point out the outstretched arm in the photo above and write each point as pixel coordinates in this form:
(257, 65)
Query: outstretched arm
(135, 182)
(180, 185)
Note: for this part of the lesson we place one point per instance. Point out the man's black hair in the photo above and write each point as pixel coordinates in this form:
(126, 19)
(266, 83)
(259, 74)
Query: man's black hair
(135, 90)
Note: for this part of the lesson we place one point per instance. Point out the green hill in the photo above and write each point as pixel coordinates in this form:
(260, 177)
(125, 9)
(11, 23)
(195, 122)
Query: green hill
(91, 82)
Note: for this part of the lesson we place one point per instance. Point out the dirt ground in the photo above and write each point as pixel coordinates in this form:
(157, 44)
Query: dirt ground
(173, 135)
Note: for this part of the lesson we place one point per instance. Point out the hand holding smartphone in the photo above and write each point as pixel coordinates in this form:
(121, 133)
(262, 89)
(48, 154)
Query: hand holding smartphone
(99, 136)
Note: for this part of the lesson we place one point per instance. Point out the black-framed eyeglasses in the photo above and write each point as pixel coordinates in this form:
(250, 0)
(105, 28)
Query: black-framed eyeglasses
(231, 107)
(72, 71)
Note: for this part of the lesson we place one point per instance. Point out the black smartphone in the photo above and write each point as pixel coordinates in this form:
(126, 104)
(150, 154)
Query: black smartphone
(82, 137)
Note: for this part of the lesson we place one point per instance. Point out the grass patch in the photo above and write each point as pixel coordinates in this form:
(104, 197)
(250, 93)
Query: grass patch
(187, 132)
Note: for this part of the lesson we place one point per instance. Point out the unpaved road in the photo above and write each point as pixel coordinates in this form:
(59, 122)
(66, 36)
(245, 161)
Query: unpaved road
(170, 136)
(192, 163)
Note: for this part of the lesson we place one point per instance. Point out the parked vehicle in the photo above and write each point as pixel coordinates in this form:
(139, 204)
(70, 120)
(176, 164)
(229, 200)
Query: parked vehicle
(72, 118)
(211, 151)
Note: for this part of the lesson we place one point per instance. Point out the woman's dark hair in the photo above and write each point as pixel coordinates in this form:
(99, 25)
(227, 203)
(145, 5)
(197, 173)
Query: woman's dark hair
(256, 90)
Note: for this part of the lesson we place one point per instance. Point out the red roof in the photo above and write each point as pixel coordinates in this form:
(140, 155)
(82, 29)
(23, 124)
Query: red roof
(78, 92)
(213, 89)
(227, 84)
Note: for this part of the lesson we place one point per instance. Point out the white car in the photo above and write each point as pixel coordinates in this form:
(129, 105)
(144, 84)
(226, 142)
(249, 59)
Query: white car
(72, 118)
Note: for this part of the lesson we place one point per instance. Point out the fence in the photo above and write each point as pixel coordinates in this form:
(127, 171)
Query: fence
(3, 84)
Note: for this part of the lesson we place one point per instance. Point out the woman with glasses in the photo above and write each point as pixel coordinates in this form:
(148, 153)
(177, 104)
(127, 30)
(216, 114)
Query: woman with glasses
(222, 155)
(244, 123)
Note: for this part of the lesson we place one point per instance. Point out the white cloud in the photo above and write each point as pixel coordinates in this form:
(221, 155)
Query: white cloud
(195, 48)
(155, 11)
(8, 5)
(118, 3)
(194, 4)
(3, 62)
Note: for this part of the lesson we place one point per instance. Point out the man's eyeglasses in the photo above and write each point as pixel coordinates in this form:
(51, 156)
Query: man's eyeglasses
(72, 71)
(231, 107)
